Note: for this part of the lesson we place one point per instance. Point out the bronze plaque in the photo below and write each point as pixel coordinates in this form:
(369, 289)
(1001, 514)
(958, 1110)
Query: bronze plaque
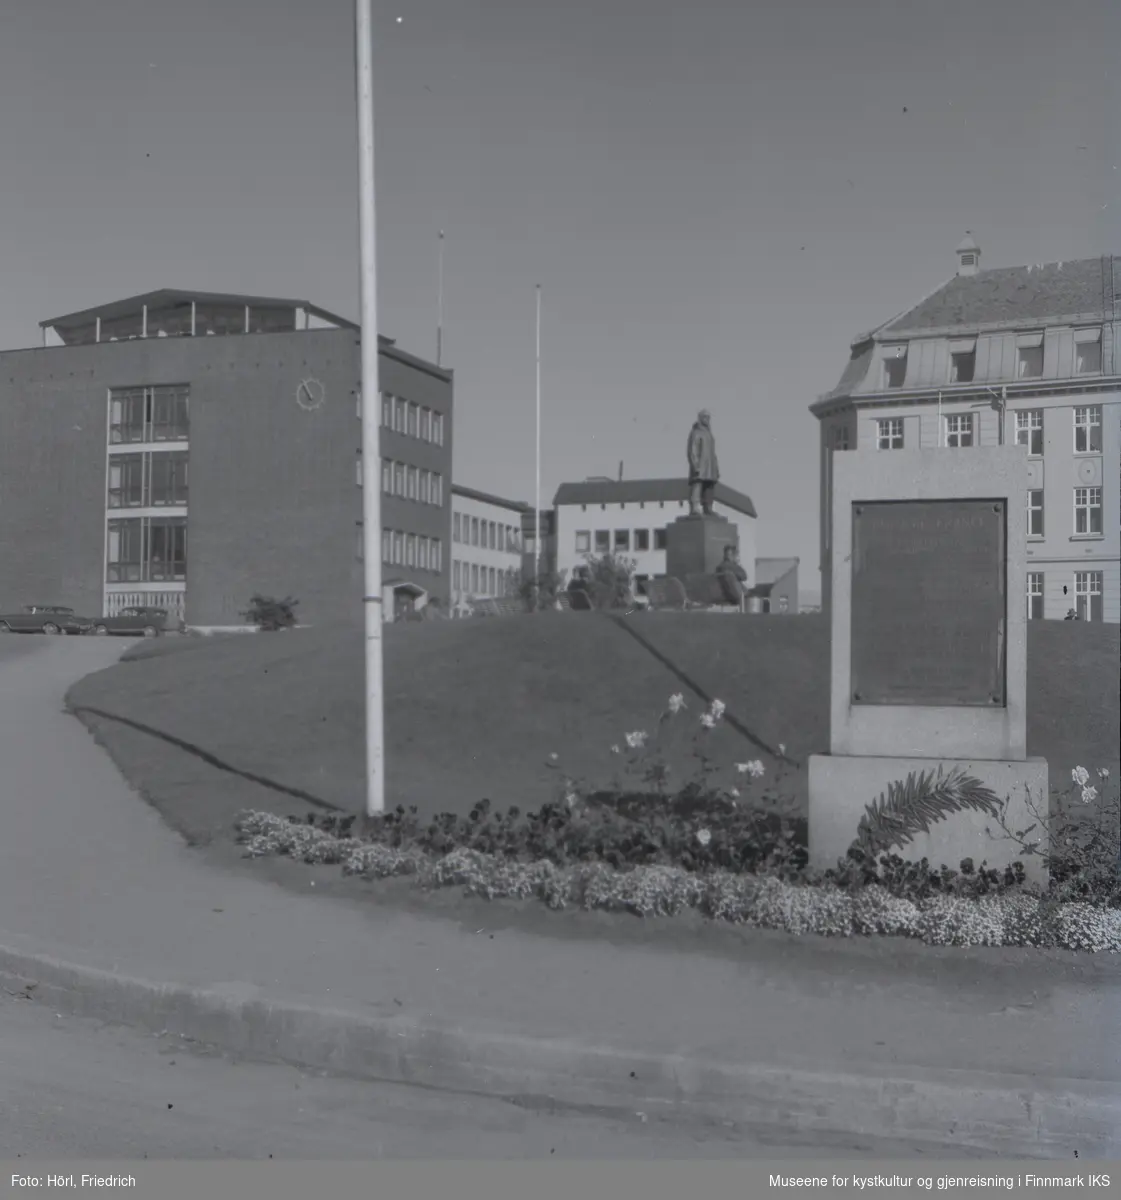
(929, 602)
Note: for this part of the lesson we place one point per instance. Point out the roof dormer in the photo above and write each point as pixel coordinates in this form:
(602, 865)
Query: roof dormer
(969, 255)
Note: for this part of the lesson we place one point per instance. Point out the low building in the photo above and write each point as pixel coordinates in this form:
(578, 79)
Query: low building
(1024, 355)
(628, 518)
(186, 450)
(486, 545)
(776, 585)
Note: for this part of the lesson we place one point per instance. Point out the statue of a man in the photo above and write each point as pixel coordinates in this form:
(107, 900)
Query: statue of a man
(703, 468)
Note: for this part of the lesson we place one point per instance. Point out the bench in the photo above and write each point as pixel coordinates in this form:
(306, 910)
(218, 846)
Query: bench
(706, 590)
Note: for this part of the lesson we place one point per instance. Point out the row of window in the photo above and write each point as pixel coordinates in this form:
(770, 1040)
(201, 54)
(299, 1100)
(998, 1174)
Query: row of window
(148, 480)
(146, 550)
(409, 419)
(1029, 359)
(148, 414)
(624, 540)
(407, 482)
(409, 550)
(959, 429)
(478, 580)
(489, 535)
(1087, 595)
(1087, 511)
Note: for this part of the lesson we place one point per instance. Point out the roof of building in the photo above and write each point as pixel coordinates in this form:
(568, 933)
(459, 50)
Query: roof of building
(771, 570)
(1046, 293)
(635, 491)
(168, 297)
(519, 506)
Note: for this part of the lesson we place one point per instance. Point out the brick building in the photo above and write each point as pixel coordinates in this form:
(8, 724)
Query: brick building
(1025, 355)
(187, 449)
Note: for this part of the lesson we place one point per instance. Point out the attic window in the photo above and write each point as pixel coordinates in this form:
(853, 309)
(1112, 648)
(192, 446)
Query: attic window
(895, 367)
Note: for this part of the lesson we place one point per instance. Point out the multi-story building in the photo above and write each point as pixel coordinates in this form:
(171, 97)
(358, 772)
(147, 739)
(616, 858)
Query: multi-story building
(546, 562)
(628, 518)
(186, 449)
(1023, 355)
(486, 545)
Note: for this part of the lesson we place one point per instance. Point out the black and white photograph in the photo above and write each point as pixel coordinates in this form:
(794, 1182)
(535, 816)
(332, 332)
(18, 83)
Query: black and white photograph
(560, 595)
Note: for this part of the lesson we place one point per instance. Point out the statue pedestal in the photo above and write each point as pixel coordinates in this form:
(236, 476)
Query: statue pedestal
(695, 545)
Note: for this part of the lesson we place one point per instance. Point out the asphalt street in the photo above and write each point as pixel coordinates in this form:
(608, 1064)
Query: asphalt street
(77, 1089)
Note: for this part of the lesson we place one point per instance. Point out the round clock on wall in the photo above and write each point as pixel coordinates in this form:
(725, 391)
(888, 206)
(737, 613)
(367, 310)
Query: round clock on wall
(1087, 470)
(310, 394)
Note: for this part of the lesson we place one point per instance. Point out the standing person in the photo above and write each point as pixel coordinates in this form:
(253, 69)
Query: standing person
(704, 472)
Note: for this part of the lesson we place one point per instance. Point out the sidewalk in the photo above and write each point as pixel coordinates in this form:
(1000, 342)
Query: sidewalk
(112, 915)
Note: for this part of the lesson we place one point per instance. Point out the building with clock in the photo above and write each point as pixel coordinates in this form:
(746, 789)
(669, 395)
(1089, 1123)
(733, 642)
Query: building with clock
(1023, 355)
(185, 450)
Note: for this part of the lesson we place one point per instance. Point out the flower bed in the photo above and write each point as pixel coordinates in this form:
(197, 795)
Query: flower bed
(653, 850)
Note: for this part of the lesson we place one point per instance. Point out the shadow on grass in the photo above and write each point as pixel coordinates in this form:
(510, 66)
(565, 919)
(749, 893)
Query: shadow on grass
(206, 757)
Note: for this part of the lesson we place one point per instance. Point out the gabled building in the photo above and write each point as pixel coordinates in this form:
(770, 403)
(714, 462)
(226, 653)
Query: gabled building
(187, 449)
(1025, 355)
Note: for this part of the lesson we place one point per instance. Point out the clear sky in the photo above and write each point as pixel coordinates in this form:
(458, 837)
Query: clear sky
(715, 196)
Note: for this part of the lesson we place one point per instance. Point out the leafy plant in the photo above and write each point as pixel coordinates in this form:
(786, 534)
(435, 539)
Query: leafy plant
(609, 580)
(910, 807)
(541, 592)
(270, 615)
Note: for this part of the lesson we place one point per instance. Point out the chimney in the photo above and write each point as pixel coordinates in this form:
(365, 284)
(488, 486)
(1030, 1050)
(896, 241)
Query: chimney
(969, 255)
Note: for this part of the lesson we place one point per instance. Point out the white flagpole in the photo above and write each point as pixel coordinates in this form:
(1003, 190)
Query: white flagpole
(371, 413)
(537, 504)
(939, 420)
(440, 301)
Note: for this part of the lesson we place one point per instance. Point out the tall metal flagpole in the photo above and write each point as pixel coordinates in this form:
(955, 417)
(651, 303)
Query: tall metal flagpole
(440, 300)
(371, 413)
(537, 497)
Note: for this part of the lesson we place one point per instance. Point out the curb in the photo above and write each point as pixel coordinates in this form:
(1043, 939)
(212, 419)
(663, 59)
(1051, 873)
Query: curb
(1008, 1115)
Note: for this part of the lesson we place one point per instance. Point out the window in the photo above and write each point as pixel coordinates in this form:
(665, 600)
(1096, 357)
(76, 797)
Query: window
(1035, 513)
(386, 409)
(1029, 431)
(492, 535)
(426, 424)
(475, 578)
(659, 539)
(145, 550)
(358, 469)
(439, 484)
(167, 480)
(410, 550)
(1088, 595)
(387, 545)
(126, 481)
(889, 434)
(963, 365)
(1088, 430)
(839, 437)
(1087, 510)
(895, 367)
(622, 539)
(642, 539)
(457, 532)
(1029, 358)
(414, 420)
(1088, 351)
(438, 428)
(387, 476)
(399, 479)
(425, 555)
(455, 574)
(493, 587)
(400, 415)
(603, 541)
(959, 429)
(474, 531)
(152, 414)
(1035, 595)
(398, 548)
(438, 555)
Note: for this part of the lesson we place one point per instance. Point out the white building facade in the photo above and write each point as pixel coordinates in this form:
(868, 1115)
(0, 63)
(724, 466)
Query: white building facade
(628, 518)
(1023, 355)
(486, 546)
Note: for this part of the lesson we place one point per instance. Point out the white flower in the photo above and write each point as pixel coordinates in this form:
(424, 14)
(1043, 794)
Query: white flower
(615, 749)
(734, 792)
(1103, 772)
(636, 740)
(1080, 776)
(554, 757)
(708, 721)
(717, 709)
(570, 798)
(676, 703)
(1088, 794)
(755, 769)
(704, 837)
(782, 749)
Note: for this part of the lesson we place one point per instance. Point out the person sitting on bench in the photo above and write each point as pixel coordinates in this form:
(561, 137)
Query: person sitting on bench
(732, 577)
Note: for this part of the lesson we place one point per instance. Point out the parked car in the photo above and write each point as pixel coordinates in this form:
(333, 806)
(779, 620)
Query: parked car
(44, 618)
(133, 622)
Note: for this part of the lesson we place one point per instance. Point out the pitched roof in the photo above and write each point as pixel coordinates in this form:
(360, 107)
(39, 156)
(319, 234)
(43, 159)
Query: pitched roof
(1032, 295)
(486, 498)
(635, 491)
(168, 297)
(771, 570)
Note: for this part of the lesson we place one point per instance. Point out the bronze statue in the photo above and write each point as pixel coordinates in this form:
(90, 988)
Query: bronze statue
(704, 472)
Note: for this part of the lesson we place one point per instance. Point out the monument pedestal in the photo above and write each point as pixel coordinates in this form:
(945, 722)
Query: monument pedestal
(695, 545)
(842, 786)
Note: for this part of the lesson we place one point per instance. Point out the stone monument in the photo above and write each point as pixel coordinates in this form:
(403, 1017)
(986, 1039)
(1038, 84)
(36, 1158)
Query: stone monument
(928, 659)
(695, 544)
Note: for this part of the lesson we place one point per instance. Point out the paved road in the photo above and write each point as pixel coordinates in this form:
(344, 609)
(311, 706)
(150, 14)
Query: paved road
(72, 1088)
